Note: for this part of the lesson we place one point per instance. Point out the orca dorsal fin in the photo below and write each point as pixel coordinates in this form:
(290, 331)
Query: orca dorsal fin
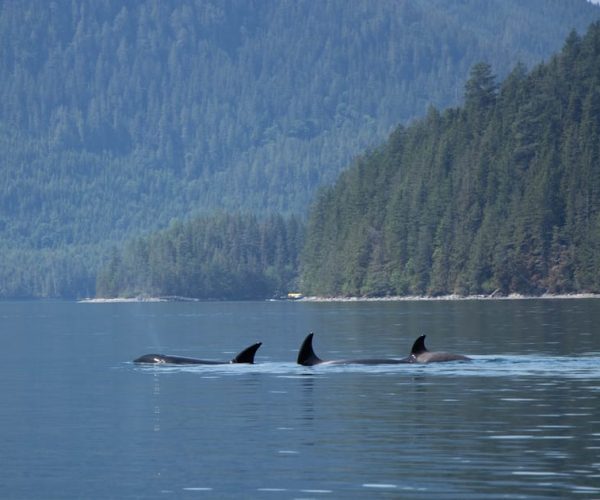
(247, 355)
(419, 346)
(306, 355)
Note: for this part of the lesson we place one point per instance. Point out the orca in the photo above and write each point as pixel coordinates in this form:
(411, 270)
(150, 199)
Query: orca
(245, 356)
(307, 357)
(419, 354)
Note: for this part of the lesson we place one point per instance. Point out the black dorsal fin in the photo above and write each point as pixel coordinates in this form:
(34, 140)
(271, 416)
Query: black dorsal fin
(306, 355)
(247, 355)
(419, 346)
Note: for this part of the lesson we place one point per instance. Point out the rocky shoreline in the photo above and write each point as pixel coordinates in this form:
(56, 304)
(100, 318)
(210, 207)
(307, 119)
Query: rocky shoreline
(411, 298)
(414, 298)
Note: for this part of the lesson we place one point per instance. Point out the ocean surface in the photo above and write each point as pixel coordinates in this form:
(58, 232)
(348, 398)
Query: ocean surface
(78, 419)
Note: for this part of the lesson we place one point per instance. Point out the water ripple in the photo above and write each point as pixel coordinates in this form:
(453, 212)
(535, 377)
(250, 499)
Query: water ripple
(554, 368)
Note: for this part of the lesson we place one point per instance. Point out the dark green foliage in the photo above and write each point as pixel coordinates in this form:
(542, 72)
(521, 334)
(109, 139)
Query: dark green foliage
(117, 117)
(61, 272)
(217, 257)
(501, 195)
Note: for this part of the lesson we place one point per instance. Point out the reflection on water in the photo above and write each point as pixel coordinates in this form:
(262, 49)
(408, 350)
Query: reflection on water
(81, 420)
(156, 394)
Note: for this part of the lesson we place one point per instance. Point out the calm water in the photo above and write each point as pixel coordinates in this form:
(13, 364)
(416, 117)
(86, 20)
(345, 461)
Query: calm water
(79, 420)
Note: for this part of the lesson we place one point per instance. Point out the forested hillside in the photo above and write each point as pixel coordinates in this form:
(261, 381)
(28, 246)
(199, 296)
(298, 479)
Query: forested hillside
(118, 117)
(500, 195)
(216, 257)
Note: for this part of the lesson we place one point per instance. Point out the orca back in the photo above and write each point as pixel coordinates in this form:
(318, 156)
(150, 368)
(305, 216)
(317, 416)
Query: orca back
(245, 356)
(420, 354)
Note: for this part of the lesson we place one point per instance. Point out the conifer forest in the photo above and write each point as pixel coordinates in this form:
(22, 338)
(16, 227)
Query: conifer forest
(242, 149)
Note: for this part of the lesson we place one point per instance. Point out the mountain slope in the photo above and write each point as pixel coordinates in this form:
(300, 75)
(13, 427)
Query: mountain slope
(117, 118)
(501, 195)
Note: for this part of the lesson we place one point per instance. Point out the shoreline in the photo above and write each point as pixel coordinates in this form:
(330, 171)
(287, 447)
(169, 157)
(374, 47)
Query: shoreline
(119, 300)
(441, 298)
(407, 298)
